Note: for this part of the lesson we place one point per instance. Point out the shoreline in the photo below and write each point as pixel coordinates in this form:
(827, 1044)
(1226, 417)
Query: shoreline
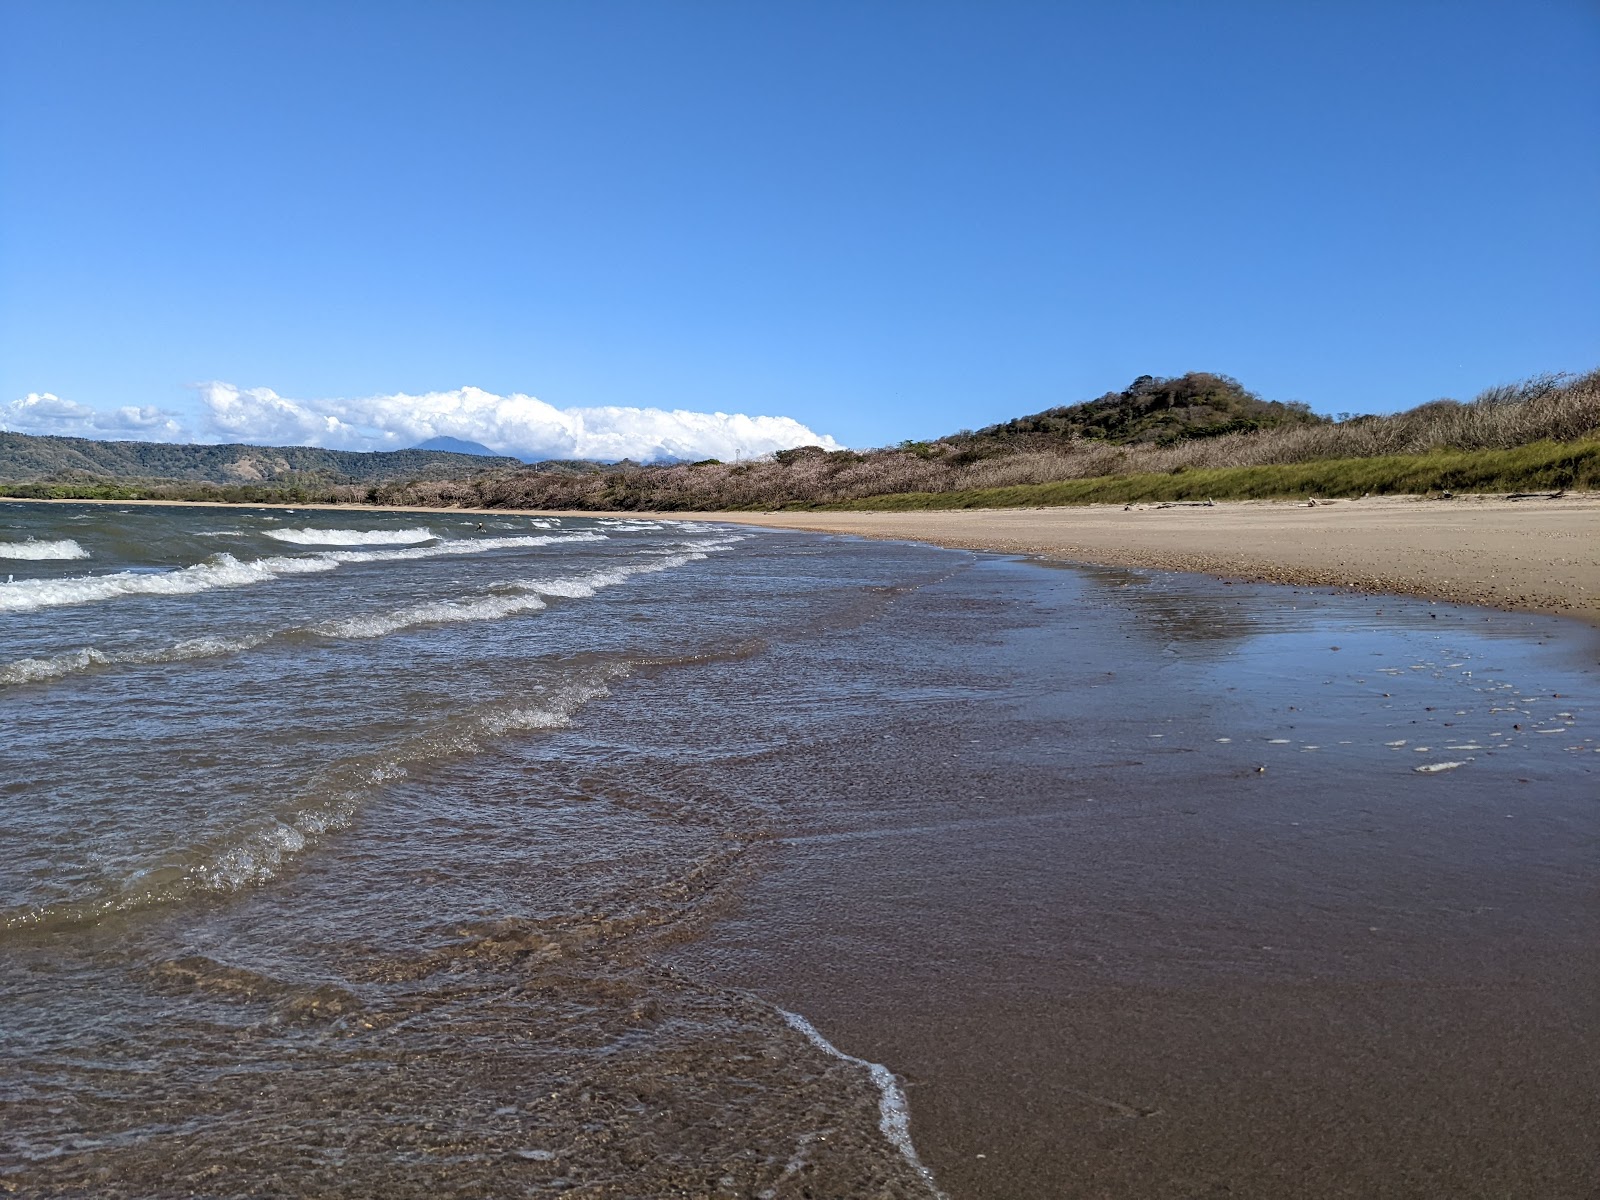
(1539, 556)
(1207, 931)
(1535, 555)
(1211, 929)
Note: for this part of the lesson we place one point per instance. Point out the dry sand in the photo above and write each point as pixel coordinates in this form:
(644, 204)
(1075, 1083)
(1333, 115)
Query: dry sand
(1536, 555)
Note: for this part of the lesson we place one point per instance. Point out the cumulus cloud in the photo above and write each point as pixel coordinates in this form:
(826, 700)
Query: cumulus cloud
(516, 424)
(43, 412)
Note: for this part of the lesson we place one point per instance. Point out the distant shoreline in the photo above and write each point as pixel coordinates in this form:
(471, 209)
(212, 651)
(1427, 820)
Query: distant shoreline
(1532, 555)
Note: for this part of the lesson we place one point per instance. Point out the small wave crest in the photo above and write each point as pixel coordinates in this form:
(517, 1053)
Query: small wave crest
(430, 612)
(226, 571)
(352, 537)
(87, 658)
(258, 851)
(223, 571)
(33, 550)
(523, 596)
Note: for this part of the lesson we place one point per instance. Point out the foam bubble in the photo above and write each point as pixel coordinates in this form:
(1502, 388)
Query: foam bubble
(352, 537)
(33, 550)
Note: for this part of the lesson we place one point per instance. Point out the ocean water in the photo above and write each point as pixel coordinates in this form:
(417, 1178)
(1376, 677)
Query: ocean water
(312, 875)
(388, 854)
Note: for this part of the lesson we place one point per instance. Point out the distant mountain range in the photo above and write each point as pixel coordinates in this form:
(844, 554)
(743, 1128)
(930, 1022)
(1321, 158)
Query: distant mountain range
(36, 458)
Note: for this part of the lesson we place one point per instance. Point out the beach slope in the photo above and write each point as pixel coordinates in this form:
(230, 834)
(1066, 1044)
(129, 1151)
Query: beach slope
(1538, 555)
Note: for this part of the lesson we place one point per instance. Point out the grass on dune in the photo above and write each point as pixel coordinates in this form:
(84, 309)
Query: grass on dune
(1541, 466)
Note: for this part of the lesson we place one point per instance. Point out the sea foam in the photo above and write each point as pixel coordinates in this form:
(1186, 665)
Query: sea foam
(226, 571)
(352, 537)
(520, 597)
(894, 1114)
(34, 550)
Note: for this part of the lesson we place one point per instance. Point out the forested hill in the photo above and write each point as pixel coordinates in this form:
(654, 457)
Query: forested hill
(1153, 410)
(37, 458)
(1197, 435)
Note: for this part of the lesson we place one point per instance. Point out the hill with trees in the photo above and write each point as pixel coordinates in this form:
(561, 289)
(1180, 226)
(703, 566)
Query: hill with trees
(1194, 435)
(1155, 411)
(36, 458)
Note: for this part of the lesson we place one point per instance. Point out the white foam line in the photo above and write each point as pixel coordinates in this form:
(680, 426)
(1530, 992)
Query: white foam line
(431, 612)
(352, 537)
(37, 670)
(528, 597)
(33, 550)
(894, 1113)
(226, 571)
(256, 854)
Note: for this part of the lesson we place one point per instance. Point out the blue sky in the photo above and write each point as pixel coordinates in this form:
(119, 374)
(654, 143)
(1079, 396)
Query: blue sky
(882, 220)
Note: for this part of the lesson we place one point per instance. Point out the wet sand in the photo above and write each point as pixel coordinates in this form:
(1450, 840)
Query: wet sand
(1048, 884)
(1532, 555)
(1131, 876)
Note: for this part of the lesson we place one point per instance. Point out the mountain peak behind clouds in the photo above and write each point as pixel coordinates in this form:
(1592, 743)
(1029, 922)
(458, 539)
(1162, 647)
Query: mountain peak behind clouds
(456, 446)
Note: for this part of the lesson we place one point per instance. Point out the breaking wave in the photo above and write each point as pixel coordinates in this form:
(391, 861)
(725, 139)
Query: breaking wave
(256, 852)
(34, 550)
(226, 571)
(57, 666)
(520, 597)
(352, 537)
(430, 612)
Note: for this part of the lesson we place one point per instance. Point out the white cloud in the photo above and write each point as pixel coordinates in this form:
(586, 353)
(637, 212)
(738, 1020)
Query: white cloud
(514, 424)
(42, 412)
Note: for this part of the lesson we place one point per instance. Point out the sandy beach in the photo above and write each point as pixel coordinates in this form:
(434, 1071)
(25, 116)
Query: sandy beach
(1536, 555)
(1532, 555)
(1144, 886)
(1137, 882)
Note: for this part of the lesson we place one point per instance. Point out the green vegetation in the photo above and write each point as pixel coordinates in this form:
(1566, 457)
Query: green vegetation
(203, 493)
(1544, 466)
(1152, 410)
(1196, 436)
(70, 491)
(33, 458)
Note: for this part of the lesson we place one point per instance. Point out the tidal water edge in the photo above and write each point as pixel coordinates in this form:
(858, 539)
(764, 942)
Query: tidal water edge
(427, 854)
